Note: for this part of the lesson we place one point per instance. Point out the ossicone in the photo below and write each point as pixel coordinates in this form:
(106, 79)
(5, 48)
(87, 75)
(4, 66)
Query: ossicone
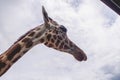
(45, 15)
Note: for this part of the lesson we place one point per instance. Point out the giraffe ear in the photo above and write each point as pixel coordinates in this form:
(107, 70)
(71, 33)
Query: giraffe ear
(45, 15)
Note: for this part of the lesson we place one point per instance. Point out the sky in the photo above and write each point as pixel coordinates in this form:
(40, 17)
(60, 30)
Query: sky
(91, 25)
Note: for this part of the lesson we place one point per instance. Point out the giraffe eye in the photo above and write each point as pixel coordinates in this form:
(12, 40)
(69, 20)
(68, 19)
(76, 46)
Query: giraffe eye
(63, 28)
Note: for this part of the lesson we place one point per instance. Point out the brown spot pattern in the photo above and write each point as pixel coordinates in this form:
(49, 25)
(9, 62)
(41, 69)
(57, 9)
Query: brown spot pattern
(60, 38)
(38, 35)
(56, 32)
(50, 45)
(16, 59)
(31, 34)
(1, 57)
(25, 40)
(2, 65)
(25, 51)
(66, 47)
(14, 51)
(54, 36)
(66, 41)
(61, 45)
(42, 40)
(52, 40)
(48, 37)
(8, 66)
(57, 43)
(24, 35)
(46, 43)
(28, 42)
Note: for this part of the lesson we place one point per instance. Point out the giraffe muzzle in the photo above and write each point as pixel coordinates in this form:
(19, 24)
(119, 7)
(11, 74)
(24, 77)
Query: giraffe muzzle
(78, 53)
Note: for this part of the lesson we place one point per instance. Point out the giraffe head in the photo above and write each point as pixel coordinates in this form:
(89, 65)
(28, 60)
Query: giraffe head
(56, 37)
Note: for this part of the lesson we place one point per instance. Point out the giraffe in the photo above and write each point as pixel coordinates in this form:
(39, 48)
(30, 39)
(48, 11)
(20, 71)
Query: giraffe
(50, 33)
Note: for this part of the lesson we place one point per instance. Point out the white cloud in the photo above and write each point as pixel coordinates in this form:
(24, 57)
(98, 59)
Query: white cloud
(91, 25)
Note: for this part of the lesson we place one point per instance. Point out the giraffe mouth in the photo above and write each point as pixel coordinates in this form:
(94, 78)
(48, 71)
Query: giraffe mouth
(79, 55)
(77, 52)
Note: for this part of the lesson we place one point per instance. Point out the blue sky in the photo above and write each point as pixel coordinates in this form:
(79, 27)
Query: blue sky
(91, 25)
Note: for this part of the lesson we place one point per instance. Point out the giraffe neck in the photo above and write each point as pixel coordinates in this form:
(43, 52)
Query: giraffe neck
(20, 47)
